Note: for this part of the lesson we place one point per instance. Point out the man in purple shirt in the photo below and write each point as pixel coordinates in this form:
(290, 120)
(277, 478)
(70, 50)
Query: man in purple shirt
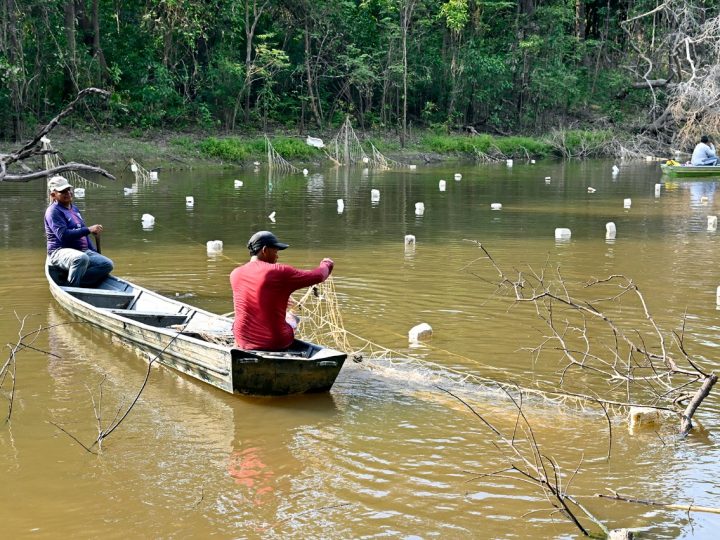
(68, 243)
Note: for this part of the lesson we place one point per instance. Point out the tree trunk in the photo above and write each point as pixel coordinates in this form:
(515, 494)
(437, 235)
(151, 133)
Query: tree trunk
(580, 19)
(13, 49)
(405, 16)
(309, 78)
(97, 48)
(71, 39)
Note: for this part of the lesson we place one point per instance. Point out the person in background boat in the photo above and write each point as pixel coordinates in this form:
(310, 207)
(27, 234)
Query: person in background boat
(68, 243)
(704, 153)
(261, 291)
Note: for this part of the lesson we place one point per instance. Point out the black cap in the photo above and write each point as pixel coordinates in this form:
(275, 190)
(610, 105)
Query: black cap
(264, 238)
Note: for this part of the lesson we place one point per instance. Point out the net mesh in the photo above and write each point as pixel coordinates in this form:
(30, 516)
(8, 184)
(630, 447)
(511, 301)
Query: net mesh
(321, 322)
(345, 147)
(52, 160)
(142, 175)
(276, 161)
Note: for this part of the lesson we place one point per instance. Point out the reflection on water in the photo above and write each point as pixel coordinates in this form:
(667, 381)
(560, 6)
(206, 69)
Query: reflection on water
(387, 453)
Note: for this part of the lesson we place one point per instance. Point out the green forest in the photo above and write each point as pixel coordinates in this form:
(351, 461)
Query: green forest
(525, 67)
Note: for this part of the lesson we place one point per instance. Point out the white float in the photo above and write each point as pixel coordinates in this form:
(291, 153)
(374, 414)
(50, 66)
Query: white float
(272, 216)
(712, 223)
(627, 203)
(615, 170)
(496, 206)
(509, 162)
(374, 195)
(532, 162)
(153, 175)
(365, 159)
(214, 246)
(420, 332)
(79, 193)
(133, 167)
(610, 230)
(148, 221)
(189, 201)
(657, 189)
(562, 233)
(458, 176)
(340, 206)
(128, 190)
(419, 208)
(409, 240)
(442, 185)
(643, 416)
(305, 172)
(591, 189)
(412, 167)
(238, 183)
(256, 163)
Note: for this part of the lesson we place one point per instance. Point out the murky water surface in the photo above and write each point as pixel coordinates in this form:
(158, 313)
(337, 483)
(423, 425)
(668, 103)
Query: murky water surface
(387, 453)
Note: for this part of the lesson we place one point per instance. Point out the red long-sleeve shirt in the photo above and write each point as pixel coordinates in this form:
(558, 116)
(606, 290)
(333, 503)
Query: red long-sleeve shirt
(260, 295)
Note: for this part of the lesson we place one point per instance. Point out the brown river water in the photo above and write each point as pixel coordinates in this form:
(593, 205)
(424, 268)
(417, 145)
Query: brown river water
(388, 452)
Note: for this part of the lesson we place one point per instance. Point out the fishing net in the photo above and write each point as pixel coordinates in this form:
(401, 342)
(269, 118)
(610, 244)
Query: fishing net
(345, 147)
(276, 161)
(381, 161)
(142, 175)
(321, 322)
(51, 160)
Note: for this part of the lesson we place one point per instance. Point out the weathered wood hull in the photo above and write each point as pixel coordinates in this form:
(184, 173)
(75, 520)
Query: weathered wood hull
(179, 334)
(689, 171)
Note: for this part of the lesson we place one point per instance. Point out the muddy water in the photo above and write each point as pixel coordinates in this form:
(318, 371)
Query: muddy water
(387, 453)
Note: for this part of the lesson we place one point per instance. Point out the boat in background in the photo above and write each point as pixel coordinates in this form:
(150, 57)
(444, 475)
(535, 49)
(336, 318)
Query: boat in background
(196, 342)
(690, 171)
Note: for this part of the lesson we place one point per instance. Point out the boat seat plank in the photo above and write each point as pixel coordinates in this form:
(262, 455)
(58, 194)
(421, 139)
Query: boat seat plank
(101, 298)
(152, 318)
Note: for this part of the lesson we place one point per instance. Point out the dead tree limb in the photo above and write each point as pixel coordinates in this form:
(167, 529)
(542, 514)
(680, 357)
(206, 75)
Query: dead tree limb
(638, 362)
(33, 148)
(684, 507)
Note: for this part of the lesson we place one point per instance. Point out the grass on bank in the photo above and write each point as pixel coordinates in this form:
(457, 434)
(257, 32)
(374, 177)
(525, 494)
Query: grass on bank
(566, 143)
(187, 150)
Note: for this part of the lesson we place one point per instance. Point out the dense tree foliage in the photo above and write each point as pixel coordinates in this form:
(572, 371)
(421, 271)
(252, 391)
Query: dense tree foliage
(498, 66)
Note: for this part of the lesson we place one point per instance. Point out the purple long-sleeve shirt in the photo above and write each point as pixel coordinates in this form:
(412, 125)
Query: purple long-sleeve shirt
(65, 228)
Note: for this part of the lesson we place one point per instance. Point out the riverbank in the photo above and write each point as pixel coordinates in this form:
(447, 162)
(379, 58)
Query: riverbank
(158, 149)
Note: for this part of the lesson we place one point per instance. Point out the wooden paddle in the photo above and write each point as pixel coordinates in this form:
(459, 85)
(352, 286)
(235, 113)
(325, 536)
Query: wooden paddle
(97, 243)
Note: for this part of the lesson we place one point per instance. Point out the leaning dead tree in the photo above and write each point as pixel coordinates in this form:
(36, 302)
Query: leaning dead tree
(677, 47)
(14, 166)
(602, 335)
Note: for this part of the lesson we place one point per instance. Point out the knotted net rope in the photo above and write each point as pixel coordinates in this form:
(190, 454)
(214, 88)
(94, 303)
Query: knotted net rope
(52, 160)
(276, 161)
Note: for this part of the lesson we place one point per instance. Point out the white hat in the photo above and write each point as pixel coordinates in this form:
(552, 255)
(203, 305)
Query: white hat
(58, 183)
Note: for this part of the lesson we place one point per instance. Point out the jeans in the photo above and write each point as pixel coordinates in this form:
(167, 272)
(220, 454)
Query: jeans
(85, 268)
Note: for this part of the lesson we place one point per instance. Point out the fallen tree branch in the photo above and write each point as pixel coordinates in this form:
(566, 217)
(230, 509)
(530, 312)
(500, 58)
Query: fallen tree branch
(33, 148)
(684, 507)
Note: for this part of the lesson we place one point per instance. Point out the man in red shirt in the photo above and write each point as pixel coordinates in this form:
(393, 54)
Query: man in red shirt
(261, 290)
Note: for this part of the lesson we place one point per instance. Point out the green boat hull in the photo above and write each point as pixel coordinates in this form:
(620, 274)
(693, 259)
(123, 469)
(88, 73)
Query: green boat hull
(690, 171)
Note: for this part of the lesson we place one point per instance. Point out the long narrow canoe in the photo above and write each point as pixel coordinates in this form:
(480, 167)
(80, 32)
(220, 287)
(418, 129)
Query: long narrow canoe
(690, 171)
(196, 342)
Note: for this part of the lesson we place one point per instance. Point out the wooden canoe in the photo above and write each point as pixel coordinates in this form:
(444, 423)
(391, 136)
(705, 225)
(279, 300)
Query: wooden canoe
(690, 171)
(196, 342)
